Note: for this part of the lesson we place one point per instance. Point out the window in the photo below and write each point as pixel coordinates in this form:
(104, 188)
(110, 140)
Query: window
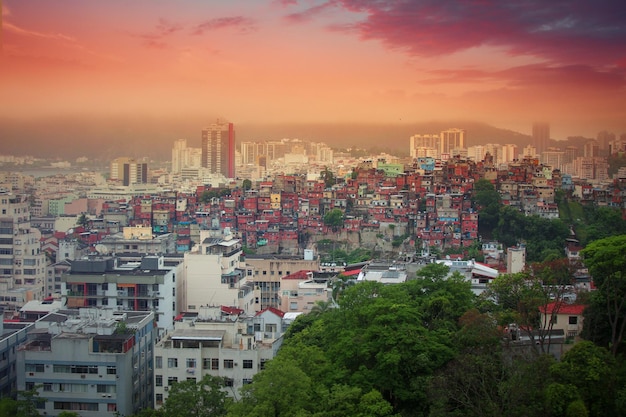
(34, 367)
(573, 319)
(190, 363)
(103, 388)
(111, 370)
(215, 364)
(228, 364)
(246, 381)
(159, 399)
(247, 363)
(229, 382)
(172, 362)
(206, 363)
(105, 286)
(158, 380)
(262, 364)
(171, 380)
(158, 362)
(47, 387)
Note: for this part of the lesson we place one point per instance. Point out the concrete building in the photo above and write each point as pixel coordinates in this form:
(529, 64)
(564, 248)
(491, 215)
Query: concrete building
(129, 171)
(219, 341)
(94, 362)
(105, 282)
(515, 259)
(213, 274)
(266, 273)
(541, 136)
(22, 262)
(139, 239)
(300, 292)
(218, 148)
(11, 336)
(451, 139)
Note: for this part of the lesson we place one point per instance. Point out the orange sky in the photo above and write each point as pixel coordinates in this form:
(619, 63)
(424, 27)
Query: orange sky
(507, 63)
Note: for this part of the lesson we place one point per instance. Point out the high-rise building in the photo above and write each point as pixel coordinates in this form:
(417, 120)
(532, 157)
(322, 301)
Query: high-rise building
(218, 148)
(129, 171)
(22, 262)
(451, 139)
(422, 141)
(541, 136)
(178, 155)
(604, 139)
(591, 149)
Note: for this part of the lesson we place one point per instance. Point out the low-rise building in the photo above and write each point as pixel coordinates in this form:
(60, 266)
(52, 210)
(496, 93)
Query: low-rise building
(219, 341)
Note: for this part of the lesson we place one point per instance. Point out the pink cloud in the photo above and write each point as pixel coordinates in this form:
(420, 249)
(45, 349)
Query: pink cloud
(242, 23)
(308, 14)
(572, 32)
(156, 38)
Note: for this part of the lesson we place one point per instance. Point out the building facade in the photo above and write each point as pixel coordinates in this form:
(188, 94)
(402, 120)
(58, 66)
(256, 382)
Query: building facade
(218, 148)
(93, 362)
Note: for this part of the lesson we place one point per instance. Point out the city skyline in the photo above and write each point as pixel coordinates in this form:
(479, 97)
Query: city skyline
(273, 62)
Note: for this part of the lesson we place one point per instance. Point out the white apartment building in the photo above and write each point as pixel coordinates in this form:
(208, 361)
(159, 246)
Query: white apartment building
(219, 341)
(212, 274)
(22, 262)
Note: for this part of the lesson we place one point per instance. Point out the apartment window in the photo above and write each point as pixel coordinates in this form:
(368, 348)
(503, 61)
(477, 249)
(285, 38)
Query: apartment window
(34, 367)
(228, 363)
(573, 319)
(159, 399)
(171, 380)
(190, 363)
(262, 364)
(247, 363)
(215, 364)
(229, 382)
(47, 387)
(172, 362)
(246, 381)
(158, 362)
(111, 370)
(206, 363)
(158, 380)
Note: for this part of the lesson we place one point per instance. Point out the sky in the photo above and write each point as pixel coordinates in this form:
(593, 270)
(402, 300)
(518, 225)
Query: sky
(508, 63)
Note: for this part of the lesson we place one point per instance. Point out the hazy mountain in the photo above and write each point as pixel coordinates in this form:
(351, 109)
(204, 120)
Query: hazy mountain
(107, 138)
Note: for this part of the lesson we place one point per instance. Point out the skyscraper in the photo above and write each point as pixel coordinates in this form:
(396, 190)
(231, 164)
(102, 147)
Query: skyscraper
(541, 135)
(218, 148)
(451, 139)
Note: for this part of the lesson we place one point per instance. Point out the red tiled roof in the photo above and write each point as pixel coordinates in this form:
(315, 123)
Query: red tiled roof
(231, 310)
(303, 274)
(563, 308)
(273, 310)
(351, 273)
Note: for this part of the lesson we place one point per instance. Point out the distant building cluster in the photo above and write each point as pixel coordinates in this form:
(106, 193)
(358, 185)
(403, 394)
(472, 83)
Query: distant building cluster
(115, 287)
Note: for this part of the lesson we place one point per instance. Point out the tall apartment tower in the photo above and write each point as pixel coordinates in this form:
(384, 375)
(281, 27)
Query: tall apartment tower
(218, 148)
(179, 152)
(22, 262)
(541, 135)
(451, 139)
(129, 171)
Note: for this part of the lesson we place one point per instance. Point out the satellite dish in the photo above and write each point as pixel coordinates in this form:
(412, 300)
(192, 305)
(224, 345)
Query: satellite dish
(101, 249)
(70, 231)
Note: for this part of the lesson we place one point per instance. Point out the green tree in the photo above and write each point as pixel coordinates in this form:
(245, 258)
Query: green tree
(281, 390)
(488, 202)
(591, 369)
(334, 218)
(607, 264)
(82, 221)
(328, 177)
(197, 399)
(246, 184)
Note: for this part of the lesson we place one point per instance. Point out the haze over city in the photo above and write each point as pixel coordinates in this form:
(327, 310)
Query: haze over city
(78, 72)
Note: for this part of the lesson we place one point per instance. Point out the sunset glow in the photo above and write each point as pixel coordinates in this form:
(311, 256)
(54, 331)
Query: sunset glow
(506, 63)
